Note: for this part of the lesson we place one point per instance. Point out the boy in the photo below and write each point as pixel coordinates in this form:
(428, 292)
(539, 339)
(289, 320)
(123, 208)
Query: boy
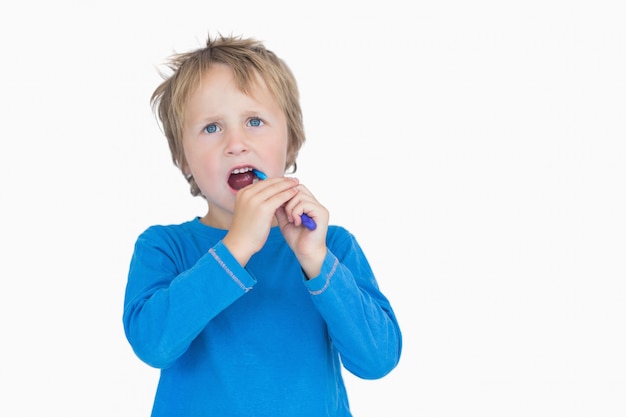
(245, 311)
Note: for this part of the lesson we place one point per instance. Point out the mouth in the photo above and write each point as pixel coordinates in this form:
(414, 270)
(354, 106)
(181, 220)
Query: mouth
(241, 177)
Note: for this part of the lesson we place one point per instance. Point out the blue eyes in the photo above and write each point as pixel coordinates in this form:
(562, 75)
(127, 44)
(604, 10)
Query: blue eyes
(252, 122)
(255, 122)
(212, 128)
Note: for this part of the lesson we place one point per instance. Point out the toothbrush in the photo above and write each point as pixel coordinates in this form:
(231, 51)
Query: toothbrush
(308, 222)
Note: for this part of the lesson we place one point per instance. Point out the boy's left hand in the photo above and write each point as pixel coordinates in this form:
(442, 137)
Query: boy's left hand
(309, 246)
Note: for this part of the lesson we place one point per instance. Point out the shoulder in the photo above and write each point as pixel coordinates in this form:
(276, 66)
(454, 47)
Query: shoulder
(340, 237)
(176, 234)
(338, 232)
(165, 231)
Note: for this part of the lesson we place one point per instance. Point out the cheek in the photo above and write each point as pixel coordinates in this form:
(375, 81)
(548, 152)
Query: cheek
(290, 156)
(195, 155)
(282, 147)
(208, 179)
(201, 165)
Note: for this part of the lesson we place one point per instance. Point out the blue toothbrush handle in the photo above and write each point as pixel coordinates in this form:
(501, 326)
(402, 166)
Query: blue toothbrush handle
(308, 222)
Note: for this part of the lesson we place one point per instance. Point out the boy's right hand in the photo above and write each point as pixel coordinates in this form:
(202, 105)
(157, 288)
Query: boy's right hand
(255, 208)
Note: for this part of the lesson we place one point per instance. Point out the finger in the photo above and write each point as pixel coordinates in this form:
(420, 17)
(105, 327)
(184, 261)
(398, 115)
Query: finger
(281, 217)
(272, 193)
(302, 201)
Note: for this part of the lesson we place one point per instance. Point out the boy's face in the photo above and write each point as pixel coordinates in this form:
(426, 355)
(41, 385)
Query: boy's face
(225, 130)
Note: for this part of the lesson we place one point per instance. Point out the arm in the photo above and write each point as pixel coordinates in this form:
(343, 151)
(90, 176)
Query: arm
(166, 306)
(359, 317)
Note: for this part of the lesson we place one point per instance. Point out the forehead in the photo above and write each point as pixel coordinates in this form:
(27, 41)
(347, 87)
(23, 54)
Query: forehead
(221, 76)
(220, 87)
(220, 79)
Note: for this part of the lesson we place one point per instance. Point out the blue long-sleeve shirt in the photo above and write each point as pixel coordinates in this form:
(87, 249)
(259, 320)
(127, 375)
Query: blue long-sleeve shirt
(260, 340)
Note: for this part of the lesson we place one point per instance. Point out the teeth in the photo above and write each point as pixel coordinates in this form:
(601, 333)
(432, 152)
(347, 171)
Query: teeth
(241, 170)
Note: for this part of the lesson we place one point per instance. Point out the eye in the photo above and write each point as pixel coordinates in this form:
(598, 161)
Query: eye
(255, 122)
(211, 128)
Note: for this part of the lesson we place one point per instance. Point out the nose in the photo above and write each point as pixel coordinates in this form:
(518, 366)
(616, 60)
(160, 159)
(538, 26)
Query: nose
(236, 142)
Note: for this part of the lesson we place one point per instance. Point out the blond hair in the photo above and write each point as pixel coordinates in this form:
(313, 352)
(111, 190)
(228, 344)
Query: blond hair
(247, 58)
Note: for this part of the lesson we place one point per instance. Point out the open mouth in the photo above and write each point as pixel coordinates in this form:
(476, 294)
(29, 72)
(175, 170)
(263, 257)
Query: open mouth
(241, 177)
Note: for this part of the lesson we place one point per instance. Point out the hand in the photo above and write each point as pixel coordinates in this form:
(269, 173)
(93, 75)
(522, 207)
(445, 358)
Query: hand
(309, 246)
(255, 208)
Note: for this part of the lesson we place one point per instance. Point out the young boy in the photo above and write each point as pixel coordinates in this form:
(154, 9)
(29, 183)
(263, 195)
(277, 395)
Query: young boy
(246, 311)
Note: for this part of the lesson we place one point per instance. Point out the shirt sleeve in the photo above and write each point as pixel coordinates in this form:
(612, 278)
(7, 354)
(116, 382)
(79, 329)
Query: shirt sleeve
(166, 306)
(360, 319)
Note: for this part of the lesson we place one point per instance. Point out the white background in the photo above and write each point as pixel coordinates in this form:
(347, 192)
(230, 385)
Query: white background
(475, 148)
